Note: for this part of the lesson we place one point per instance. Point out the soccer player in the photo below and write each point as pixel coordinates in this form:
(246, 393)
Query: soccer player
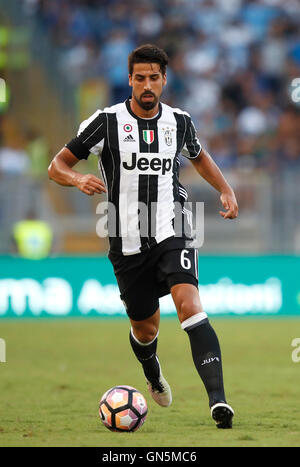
(138, 143)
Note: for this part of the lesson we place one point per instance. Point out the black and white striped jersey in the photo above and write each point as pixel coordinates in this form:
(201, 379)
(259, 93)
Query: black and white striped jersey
(139, 162)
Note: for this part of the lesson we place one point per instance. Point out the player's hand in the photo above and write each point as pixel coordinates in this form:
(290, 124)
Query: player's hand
(90, 184)
(230, 204)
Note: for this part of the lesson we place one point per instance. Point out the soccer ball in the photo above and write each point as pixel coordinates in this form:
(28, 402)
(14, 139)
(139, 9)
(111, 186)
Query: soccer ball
(123, 408)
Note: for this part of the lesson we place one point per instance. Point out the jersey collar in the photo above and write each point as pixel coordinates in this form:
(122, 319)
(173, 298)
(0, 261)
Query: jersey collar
(154, 119)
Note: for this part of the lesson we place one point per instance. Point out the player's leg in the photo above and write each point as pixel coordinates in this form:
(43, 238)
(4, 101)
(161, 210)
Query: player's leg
(138, 287)
(180, 269)
(137, 284)
(143, 339)
(205, 349)
(146, 330)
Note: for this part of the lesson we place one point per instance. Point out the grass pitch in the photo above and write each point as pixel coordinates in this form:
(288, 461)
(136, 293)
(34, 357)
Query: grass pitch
(56, 371)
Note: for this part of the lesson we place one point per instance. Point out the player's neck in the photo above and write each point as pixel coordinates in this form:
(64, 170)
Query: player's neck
(142, 113)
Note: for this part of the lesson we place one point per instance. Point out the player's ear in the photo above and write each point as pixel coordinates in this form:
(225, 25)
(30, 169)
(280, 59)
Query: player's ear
(164, 79)
(130, 80)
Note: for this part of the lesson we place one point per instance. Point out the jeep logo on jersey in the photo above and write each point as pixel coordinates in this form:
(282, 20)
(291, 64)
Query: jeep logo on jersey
(153, 166)
(148, 136)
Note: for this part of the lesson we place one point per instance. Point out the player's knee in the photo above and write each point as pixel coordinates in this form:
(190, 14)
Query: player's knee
(145, 333)
(188, 308)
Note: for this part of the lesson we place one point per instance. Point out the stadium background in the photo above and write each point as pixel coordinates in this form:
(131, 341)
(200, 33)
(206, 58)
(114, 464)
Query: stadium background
(233, 67)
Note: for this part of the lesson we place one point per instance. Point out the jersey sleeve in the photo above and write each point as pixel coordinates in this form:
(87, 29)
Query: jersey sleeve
(192, 146)
(90, 136)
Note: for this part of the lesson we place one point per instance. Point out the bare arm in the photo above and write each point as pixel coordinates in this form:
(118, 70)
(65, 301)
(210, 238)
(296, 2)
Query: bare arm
(60, 171)
(209, 170)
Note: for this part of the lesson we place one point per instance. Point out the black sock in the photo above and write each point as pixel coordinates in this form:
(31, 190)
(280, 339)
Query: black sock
(207, 359)
(146, 354)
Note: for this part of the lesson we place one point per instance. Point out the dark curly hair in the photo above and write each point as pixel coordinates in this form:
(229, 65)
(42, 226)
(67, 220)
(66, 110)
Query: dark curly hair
(148, 53)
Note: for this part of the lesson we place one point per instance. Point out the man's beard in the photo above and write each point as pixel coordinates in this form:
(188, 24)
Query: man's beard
(147, 105)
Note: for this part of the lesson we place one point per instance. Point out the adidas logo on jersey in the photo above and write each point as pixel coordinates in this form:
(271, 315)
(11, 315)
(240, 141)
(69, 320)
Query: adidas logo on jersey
(129, 139)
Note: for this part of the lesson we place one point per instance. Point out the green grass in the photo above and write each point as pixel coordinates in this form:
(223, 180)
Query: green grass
(56, 372)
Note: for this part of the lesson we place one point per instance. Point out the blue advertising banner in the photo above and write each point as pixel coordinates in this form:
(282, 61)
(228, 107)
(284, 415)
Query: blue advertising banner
(86, 286)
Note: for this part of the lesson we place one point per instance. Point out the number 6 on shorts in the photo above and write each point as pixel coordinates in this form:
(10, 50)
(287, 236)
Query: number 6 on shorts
(185, 262)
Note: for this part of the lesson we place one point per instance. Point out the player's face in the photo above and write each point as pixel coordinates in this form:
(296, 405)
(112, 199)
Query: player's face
(147, 82)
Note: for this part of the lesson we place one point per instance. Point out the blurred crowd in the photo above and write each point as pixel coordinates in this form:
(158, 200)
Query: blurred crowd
(232, 65)
(29, 157)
